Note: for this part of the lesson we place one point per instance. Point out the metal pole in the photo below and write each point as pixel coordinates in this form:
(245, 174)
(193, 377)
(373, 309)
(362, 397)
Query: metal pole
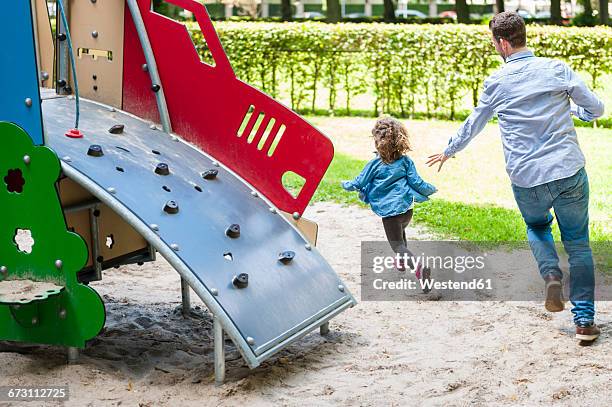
(73, 354)
(324, 328)
(185, 297)
(151, 64)
(219, 351)
(95, 242)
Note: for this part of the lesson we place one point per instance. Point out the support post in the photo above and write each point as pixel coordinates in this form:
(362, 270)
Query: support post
(95, 242)
(324, 329)
(73, 354)
(219, 351)
(186, 301)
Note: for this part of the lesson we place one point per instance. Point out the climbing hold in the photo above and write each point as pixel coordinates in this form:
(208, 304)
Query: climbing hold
(61, 37)
(74, 133)
(145, 67)
(286, 256)
(171, 207)
(241, 280)
(61, 83)
(95, 151)
(162, 169)
(116, 129)
(210, 174)
(233, 231)
(94, 34)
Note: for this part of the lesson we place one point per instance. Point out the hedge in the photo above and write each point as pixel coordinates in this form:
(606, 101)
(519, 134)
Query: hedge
(410, 69)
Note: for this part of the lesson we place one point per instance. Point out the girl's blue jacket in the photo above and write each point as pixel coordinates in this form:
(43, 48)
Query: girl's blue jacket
(390, 189)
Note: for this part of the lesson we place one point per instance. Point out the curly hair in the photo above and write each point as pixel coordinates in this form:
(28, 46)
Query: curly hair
(510, 26)
(391, 139)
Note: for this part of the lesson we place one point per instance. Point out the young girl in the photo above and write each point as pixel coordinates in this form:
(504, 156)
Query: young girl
(390, 184)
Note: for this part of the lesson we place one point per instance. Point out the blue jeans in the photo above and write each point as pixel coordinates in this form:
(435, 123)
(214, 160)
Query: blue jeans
(570, 199)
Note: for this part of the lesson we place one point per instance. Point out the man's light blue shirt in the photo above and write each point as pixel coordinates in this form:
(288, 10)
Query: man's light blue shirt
(531, 97)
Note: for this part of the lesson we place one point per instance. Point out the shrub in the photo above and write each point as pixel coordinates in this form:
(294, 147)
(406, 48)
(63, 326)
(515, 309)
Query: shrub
(411, 69)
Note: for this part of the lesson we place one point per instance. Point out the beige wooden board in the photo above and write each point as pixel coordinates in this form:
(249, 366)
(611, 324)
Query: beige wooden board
(124, 238)
(45, 41)
(309, 229)
(106, 19)
(25, 291)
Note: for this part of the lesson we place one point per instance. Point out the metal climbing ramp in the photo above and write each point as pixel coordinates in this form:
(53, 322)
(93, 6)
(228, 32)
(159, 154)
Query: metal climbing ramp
(254, 270)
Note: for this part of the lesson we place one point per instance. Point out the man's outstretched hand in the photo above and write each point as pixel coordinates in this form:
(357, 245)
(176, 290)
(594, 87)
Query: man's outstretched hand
(437, 158)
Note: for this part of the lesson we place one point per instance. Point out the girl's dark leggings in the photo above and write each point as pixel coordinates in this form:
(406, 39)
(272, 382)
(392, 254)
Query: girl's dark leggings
(396, 234)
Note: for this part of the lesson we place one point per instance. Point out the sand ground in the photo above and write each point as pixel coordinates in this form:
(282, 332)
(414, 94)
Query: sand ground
(378, 353)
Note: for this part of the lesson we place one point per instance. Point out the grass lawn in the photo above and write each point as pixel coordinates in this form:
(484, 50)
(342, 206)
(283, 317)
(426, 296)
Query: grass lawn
(475, 200)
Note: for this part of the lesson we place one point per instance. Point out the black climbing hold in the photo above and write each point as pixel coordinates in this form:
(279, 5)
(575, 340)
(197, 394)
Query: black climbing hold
(210, 174)
(171, 207)
(95, 151)
(116, 129)
(61, 37)
(241, 280)
(162, 169)
(233, 231)
(67, 89)
(61, 83)
(155, 88)
(95, 88)
(286, 256)
(95, 77)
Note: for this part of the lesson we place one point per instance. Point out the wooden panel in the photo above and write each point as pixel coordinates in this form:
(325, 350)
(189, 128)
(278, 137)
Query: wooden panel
(309, 229)
(125, 239)
(99, 56)
(45, 42)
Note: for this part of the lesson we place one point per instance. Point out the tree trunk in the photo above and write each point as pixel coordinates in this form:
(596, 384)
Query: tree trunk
(286, 10)
(433, 8)
(588, 9)
(555, 12)
(389, 14)
(463, 11)
(333, 11)
(499, 5)
(604, 16)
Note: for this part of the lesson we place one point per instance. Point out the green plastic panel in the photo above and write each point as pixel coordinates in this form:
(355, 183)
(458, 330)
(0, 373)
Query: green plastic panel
(29, 203)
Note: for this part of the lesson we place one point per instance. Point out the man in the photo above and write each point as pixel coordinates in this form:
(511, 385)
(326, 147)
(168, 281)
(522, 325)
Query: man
(532, 99)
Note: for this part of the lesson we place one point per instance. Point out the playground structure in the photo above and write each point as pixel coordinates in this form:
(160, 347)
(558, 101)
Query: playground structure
(164, 153)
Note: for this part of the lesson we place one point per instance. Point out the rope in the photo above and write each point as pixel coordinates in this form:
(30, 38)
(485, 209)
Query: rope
(72, 63)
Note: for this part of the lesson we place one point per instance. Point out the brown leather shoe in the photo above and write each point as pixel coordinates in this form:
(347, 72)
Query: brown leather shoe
(554, 293)
(587, 333)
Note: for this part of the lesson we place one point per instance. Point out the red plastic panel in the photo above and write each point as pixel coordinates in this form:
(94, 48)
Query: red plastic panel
(210, 107)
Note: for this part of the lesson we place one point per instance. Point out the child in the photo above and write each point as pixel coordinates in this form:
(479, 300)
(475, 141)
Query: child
(390, 184)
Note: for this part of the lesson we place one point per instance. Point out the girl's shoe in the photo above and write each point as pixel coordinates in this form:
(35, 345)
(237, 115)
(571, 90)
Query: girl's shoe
(418, 271)
(400, 266)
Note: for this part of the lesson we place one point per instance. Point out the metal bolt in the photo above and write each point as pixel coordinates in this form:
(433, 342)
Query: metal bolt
(61, 37)
(111, 190)
(44, 75)
(155, 88)
(66, 158)
(254, 193)
(174, 138)
(94, 34)
(153, 127)
(214, 291)
(28, 102)
(34, 321)
(341, 288)
(62, 314)
(175, 247)
(215, 163)
(59, 264)
(112, 109)
(296, 215)
(273, 210)
(250, 341)
(308, 246)
(154, 227)
(145, 67)
(3, 270)
(27, 160)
